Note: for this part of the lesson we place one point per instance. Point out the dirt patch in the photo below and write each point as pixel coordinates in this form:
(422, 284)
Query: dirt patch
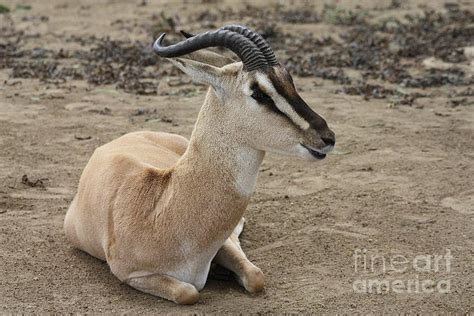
(76, 75)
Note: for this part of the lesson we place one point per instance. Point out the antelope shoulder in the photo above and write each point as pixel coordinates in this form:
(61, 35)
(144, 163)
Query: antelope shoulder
(119, 192)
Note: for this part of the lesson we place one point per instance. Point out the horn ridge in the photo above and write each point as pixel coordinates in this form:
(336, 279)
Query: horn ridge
(247, 50)
(257, 39)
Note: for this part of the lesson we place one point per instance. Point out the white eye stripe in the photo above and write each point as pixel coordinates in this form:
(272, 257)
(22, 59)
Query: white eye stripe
(280, 102)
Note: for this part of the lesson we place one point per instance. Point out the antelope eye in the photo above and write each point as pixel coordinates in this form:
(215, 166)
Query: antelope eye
(260, 96)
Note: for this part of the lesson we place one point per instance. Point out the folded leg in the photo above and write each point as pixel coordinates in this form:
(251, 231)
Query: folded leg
(166, 287)
(231, 257)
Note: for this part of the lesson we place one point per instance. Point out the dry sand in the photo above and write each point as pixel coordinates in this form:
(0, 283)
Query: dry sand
(400, 183)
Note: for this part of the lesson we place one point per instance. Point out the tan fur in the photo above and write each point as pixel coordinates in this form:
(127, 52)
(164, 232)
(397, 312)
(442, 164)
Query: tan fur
(158, 208)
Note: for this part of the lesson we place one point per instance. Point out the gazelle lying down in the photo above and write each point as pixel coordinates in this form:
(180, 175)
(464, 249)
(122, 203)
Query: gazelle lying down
(159, 208)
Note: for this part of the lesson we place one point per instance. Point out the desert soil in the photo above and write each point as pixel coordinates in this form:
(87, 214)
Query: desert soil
(399, 182)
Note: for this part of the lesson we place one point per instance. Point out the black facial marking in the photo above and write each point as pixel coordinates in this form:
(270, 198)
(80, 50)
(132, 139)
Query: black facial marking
(261, 97)
(286, 89)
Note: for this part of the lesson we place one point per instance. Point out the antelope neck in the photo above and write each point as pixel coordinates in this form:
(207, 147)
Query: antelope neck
(215, 153)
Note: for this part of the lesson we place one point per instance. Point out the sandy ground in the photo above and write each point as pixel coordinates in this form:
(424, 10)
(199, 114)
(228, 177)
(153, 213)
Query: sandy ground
(399, 184)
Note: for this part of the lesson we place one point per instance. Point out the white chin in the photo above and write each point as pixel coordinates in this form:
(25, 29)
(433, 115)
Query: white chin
(297, 151)
(304, 153)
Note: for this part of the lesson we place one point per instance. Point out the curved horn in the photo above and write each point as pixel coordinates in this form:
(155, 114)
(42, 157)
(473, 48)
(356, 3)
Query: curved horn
(254, 37)
(186, 34)
(248, 52)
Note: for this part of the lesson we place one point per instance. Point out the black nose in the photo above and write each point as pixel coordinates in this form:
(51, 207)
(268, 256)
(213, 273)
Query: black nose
(329, 141)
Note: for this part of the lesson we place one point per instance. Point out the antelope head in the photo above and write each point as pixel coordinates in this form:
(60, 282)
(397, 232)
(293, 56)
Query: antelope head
(256, 98)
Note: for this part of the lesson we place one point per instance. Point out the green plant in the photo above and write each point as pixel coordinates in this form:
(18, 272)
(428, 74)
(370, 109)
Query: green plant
(4, 9)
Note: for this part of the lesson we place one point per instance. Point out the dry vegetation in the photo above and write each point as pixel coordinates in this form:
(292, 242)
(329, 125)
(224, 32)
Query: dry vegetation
(393, 79)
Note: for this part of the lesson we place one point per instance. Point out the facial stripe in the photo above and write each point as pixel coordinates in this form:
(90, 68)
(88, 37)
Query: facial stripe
(263, 98)
(285, 88)
(281, 102)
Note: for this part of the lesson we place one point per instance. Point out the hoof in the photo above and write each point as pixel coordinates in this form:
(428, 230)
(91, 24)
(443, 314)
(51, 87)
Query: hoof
(253, 281)
(187, 295)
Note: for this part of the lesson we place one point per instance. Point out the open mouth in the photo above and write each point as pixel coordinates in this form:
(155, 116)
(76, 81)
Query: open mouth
(316, 154)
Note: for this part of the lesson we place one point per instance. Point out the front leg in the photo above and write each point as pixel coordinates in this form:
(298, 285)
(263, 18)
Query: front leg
(231, 257)
(166, 287)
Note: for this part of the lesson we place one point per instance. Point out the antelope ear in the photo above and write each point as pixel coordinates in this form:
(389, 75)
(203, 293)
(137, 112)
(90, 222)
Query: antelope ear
(209, 57)
(200, 72)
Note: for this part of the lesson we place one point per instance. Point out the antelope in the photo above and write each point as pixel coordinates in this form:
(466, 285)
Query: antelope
(159, 208)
